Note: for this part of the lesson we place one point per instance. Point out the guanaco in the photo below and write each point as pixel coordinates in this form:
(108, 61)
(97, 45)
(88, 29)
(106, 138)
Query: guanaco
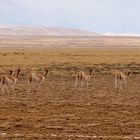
(120, 78)
(82, 78)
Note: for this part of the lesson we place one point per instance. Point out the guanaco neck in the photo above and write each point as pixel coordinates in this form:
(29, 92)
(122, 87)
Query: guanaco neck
(18, 73)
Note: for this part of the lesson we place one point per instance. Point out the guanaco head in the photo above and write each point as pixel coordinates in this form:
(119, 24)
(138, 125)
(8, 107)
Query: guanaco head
(11, 72)
(46, 72)
(90, 71)
(3, 80)
(128, 73)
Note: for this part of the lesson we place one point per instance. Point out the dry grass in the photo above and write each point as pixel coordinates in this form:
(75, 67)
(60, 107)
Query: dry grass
(73, 56)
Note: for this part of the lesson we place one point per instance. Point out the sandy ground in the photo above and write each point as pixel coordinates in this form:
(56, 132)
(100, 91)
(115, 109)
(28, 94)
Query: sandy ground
(58, 111)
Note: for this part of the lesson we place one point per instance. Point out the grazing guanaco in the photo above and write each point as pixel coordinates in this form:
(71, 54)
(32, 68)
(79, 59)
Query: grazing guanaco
(38, 79)
(10, 81)
(82, 78)
(120, 78)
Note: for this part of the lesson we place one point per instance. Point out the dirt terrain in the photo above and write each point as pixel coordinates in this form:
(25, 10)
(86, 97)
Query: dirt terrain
(60, 112)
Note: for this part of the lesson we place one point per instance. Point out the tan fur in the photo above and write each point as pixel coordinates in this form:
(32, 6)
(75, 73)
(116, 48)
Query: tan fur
(82, 78)
(37, 78)
(11, 72)
(120, 77)
(10, 81)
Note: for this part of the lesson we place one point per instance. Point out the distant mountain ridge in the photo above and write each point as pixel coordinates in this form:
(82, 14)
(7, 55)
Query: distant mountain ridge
(43, 31)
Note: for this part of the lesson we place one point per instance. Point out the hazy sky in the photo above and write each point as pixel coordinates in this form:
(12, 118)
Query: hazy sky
(95, 15)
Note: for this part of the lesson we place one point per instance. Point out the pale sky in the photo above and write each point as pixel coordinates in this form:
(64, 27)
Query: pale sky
(120, 16)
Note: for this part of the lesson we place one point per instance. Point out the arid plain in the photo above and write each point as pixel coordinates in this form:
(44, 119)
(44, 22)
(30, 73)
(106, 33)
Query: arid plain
(58, 111)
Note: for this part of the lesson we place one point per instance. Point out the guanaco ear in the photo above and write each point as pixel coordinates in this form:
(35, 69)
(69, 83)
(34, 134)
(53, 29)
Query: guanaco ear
(19, 67)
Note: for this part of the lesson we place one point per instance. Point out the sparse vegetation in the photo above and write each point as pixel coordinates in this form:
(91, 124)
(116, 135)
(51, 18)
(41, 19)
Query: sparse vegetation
(61, 110)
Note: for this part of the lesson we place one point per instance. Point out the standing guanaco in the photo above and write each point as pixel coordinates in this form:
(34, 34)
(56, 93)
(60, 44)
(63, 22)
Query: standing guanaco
(82, 78)
(120, 78)
(10, 81)
(11, 72)
(38, 79)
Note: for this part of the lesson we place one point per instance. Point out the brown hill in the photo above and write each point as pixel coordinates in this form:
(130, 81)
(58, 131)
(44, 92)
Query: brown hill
(43, 30)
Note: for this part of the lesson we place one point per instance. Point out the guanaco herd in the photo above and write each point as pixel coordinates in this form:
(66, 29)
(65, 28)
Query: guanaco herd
(7, 82)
